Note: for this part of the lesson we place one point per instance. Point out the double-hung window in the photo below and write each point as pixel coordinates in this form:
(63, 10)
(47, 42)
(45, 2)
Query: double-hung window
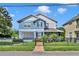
(39, 24)
(77, 23)
(27, 25)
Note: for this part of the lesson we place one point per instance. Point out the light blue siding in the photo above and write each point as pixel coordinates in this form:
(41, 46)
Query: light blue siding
(32, 25)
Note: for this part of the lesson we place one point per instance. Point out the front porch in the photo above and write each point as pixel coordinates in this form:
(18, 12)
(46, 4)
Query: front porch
(31, 35)
(53, 31)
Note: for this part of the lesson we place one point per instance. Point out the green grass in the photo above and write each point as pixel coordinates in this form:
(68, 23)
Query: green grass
(27, 46)
(16, 48)
(61, 46)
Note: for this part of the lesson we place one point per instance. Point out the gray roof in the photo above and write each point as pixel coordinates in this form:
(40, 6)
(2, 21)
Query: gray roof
(73, 19)
(35, 17)
(46, 17)
(39, 19)
(25, 18)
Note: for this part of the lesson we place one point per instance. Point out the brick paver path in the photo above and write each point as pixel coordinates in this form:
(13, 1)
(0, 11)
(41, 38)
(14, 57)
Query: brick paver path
(39, 47)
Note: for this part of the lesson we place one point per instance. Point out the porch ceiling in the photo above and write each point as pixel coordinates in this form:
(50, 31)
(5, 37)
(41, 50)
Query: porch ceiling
(53, 30)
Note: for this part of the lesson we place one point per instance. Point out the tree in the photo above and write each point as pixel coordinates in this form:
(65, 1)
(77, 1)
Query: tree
(63, 33)
(5, 23)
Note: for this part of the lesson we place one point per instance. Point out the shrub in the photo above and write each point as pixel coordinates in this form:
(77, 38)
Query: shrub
(5, 36)
(17, 40)
(44, 38)
(60, 38)
(53, 37)
(37, 40)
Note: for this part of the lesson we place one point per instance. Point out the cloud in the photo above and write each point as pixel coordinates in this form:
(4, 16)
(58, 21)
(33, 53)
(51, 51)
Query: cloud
(44, 9)
(61, 10)
(12, 15)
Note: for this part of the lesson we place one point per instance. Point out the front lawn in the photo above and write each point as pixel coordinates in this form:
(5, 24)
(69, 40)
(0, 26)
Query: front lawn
(16, 48)
(61, 46)
(27, 46)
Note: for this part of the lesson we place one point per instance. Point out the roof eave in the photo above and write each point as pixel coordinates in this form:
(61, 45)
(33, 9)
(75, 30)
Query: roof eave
(19, 21)
(47, 17)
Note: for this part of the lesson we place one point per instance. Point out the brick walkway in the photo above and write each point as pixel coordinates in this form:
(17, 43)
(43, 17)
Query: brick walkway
(39, 47)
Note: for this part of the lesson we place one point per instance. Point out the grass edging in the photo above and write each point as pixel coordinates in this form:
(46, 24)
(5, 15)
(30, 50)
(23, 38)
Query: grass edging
(61, 48)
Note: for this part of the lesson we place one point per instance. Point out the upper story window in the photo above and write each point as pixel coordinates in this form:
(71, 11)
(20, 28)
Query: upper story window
(47, 24)
(77, 21)
(27, 25)
(39, 24)
(70, 34)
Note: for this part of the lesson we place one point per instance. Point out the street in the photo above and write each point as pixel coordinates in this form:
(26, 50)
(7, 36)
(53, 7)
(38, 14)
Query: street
(47, 53)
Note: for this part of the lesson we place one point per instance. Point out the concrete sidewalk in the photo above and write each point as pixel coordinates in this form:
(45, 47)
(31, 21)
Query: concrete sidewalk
(45, 53)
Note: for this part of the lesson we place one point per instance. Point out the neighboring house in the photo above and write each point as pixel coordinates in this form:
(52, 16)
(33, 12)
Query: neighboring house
(72, 28)
(35, 26)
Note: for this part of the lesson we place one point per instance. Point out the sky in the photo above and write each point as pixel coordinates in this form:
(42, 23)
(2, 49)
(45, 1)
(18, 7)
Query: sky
(60, 13)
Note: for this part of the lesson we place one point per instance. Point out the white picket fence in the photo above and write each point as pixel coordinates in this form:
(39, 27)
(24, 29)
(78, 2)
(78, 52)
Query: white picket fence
(6, 39)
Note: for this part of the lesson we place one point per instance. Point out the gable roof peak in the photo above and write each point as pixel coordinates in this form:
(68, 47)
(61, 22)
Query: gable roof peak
(73, 19)
(36, 16)
(45, 16)
(41, 14)
(26, 17)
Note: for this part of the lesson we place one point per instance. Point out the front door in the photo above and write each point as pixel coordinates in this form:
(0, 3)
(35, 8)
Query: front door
(39, 34)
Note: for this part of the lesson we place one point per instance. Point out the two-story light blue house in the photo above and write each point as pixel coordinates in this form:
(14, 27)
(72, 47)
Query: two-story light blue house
(35, 26)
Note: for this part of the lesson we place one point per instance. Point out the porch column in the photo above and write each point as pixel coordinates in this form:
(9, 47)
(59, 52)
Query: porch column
(20, 34)
(34, 34)
(43, 33)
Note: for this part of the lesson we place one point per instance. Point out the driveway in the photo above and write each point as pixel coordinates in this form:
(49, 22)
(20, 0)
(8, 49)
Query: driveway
(29, 53)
